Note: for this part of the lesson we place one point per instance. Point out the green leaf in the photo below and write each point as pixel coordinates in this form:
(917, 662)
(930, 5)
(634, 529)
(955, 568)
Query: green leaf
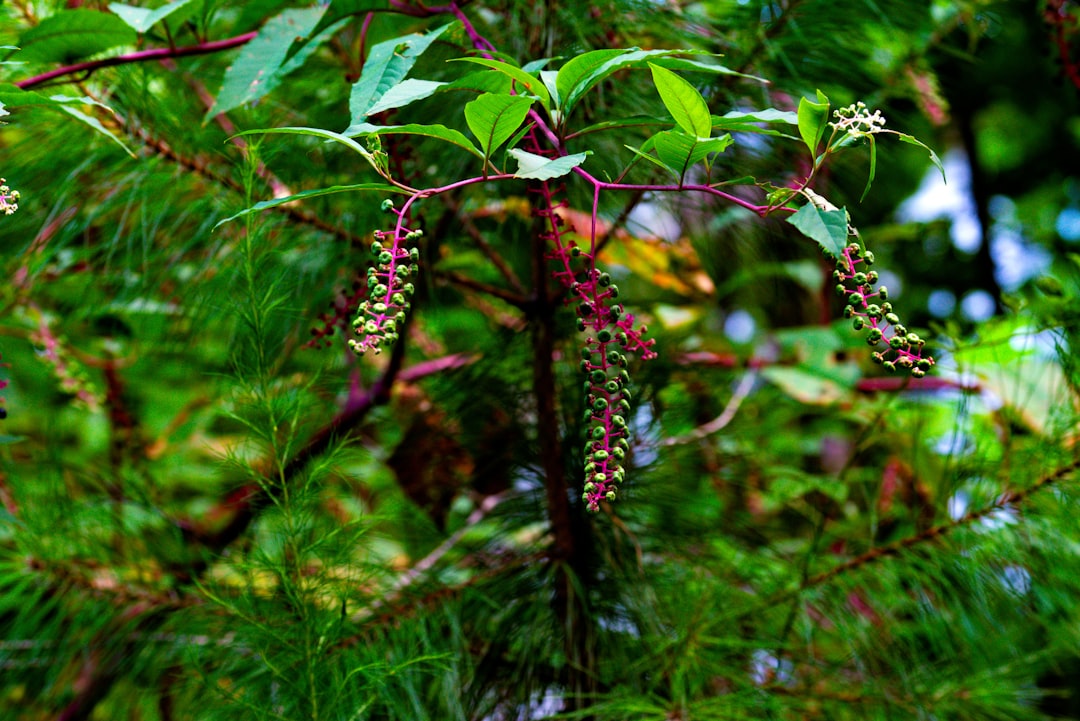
(750, 121)
(579, 75)
(405, 92)
(303, 195)
(14, 97)
(142, 19)
(387, 65)
(494, 118)
(259, 68)
(828, 227)
(683, 101)
(681, 151)
(72, 35)
(910, 139)
(873, 167)
(572, 76)
(537, 167)
(432, 131)
(318, 133)
(530, 83)
(813, 119)
(678, 63)
(643, 154)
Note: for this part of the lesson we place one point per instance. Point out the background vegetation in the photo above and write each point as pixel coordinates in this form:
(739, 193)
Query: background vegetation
(210, 508)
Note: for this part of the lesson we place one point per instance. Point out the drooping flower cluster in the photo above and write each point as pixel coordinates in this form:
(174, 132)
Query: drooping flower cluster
(857, 120)
(9, 199)
(380, 318)
(611, 334)
(869, 307)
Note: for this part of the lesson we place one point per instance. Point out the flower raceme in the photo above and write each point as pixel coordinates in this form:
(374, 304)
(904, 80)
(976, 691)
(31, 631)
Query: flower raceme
(9, 199)
(869, 307)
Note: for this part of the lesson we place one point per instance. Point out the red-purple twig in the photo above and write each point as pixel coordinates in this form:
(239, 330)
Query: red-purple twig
(90, 66)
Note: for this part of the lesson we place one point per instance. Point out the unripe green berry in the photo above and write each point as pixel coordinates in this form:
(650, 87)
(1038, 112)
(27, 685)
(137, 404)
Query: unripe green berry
(917, 373)
(855, 299)
(610, 495)
(598, 376)
(889, 366)
(883, 293)
(604, 336)
(892, 318)
(604, 280)
(385, 257)
(612, 386)
(598, 433)
(600, 478)
(600, 405)
(858, 324)
(600, 456)
(590, 487)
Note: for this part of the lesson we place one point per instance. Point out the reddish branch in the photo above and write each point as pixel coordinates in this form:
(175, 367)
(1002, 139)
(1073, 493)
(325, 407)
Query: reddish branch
(90, 66)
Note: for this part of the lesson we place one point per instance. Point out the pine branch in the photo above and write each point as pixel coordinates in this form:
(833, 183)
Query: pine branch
(930, 535)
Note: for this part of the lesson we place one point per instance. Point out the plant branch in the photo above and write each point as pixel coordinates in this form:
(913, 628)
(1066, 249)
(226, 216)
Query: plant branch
(90, 66)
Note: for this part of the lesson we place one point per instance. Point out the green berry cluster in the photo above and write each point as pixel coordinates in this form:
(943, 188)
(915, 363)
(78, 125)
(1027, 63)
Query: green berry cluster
(869, 308)
(380, 318)
(607, 385)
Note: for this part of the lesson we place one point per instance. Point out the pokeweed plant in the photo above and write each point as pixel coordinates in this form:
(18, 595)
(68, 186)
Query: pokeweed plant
(529, 110)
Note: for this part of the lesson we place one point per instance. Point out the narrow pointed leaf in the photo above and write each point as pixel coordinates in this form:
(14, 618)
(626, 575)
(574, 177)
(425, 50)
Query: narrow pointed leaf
(683, 101)
(303, 195)
(933, 156)
(440, 132)
(524, 82)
